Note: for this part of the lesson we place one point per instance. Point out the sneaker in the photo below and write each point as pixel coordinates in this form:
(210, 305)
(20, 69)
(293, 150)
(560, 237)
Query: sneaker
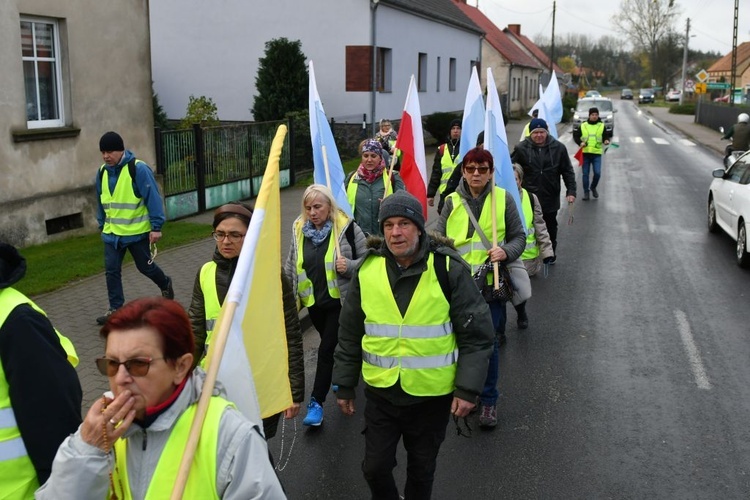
(168, 293)
(103, 319)
(314, 414)
(593, 191)
(585, 196)
(488, 416)
(552, 260)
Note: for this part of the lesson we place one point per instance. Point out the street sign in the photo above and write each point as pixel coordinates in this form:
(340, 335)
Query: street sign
(689, 84)
(700, 88)
(717, 86)
(702, 76)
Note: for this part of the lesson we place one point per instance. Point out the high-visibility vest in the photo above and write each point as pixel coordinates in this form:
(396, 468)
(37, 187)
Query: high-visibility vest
(592, 136)
(351, 188)
(304, 284)
(532, 249)
(211, 304)
(201, 482)
(18, 479)
(124, 213)
(472, 249)
(447, 166)
(419, 348)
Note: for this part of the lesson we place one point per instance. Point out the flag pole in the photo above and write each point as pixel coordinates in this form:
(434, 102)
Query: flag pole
(495, 266)
(387, 183)
(331, 215)
(216, 351)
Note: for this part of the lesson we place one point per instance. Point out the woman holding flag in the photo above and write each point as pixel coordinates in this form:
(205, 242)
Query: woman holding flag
(484, 223)
(231, 222)
(326, 249)
(368, 185)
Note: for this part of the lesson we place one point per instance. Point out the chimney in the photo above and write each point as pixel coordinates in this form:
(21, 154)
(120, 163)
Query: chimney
(515, 29)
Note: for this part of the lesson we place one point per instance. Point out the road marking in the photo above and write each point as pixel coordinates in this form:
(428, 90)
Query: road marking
(651, 224)
(659, 140)
(636, 140)
(687, 142)
(696, 364)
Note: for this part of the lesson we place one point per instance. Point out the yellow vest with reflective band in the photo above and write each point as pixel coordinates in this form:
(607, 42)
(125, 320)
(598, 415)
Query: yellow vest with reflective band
(526, 131)
(211, 304)
(472, 249)
(124, 213)
(351, 188)
(18, 479)
(592, 136)
(304, 284)
(201, 483)
(418, 348)
(446, 168)
(532, 249)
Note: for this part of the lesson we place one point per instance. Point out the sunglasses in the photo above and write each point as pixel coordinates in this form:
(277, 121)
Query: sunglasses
(470, 169)
(136, 367)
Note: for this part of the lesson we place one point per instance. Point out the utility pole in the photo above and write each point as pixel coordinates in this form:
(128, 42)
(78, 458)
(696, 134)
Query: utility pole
(684, 59)
(734, 54)
(552, 49)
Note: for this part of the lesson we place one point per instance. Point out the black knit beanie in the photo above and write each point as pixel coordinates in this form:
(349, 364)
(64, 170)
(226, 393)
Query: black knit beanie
(401, 204)
(111, 141)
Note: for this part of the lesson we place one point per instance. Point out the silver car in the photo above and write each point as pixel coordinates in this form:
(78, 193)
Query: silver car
(603, 104)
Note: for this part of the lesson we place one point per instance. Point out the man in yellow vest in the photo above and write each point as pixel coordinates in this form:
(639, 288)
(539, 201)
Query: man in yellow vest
(446, 159)
(130, 214)
(592, 136)
(416, 327)
(40, 395)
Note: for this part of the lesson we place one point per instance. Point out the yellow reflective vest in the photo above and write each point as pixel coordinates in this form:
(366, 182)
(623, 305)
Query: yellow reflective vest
(201, 483)
(351, 188)
(304, 284)
(18, 479)
(124, 213)
(447, 165)
(532, 249)
(211, 304)
(419, 348)
(592, 136)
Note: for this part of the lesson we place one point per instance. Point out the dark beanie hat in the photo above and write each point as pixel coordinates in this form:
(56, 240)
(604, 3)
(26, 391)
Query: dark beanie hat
(455, 122)
(401, 204)
(111, 141)
(480, 138)
(594, 110)
(537, 123)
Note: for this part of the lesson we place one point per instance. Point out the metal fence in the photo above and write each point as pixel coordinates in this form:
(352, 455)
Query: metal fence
(715, 115)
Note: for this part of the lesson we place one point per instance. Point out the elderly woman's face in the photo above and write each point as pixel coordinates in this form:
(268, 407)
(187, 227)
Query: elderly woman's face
(370, 160)
(157, 385)
(385, 128)
(230, 235)
(318, 209)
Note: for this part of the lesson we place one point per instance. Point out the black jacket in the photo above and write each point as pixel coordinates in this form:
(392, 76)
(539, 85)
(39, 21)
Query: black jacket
(606, 135)
(542, 168)
(45, 393)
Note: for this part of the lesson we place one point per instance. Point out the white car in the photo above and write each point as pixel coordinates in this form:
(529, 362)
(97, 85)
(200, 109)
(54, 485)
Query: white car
(729, 205)
(673, 95)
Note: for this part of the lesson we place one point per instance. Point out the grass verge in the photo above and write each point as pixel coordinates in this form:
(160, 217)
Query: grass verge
(53, 265)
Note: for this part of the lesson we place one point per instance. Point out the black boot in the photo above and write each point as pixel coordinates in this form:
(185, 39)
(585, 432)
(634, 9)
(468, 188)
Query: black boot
(523, 319)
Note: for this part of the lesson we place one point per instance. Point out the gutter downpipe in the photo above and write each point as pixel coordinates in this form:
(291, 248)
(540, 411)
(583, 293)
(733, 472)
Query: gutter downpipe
(374, 41)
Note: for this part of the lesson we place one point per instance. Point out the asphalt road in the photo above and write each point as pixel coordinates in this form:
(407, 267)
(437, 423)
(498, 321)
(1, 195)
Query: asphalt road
(632, 379)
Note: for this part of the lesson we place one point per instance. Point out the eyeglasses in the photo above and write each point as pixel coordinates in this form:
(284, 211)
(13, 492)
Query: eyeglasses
(136, 367)
(470, 169)
(233, 237)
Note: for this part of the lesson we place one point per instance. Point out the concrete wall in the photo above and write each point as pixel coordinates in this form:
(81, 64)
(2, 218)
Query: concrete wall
(105, 59)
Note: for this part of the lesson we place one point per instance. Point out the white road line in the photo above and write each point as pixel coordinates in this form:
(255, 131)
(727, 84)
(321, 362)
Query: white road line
(696, 364)
(636, 140)
(651, 224)
(687, 142)
(659, 140)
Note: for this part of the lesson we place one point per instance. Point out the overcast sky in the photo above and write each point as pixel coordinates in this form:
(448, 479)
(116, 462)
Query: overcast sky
(711, 21)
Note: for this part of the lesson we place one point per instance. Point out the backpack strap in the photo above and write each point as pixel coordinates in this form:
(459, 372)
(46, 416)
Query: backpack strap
(441, 271)
(441, 149)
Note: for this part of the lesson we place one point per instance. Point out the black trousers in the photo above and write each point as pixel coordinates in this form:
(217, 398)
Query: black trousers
(550, 219)
(326, 322)
(422, 427)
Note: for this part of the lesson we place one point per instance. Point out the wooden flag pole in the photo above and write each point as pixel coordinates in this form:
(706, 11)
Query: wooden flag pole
(387, 183)
(495, 266)
(331, 215)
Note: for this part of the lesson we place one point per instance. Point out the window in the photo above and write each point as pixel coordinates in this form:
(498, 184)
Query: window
(452, 74)
(437, 79)
(40, 49)
(422, 72)
(384, 70)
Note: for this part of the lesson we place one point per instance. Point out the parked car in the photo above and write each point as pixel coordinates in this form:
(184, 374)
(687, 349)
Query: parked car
(626, 94)
(724, 98)
(729, 205)
(646, 95)
(673, 95)
(593, 93)
(603, 104)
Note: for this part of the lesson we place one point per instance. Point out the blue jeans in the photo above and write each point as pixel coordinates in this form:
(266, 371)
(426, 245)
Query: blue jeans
(113, 269)
(591, 160)
(490, 393)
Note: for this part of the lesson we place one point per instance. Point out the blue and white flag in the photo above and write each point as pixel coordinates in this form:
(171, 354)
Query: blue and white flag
(550, 105)
(473, 121)
(330, 173)
(496, 142)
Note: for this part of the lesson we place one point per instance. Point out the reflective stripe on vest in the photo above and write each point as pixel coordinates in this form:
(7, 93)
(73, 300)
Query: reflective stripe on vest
(447, 165)
(532, 249)
(201, 481)
(592, 136)
(418, 349)
(304, 284)
(211, 304)
(472, 249)
(124, 213)
(18, 479)
(351, 188)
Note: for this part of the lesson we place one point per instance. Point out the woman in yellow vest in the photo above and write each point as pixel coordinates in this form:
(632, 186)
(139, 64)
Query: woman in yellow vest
(368, 185)
(538, 249)
(467, 219)
(211, 284)
(131, 442)
(320, 277)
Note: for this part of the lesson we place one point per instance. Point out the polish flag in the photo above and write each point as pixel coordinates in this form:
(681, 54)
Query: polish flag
(410, 142)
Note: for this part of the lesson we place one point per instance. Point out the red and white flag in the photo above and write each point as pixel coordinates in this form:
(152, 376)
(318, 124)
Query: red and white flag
(411, 144)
